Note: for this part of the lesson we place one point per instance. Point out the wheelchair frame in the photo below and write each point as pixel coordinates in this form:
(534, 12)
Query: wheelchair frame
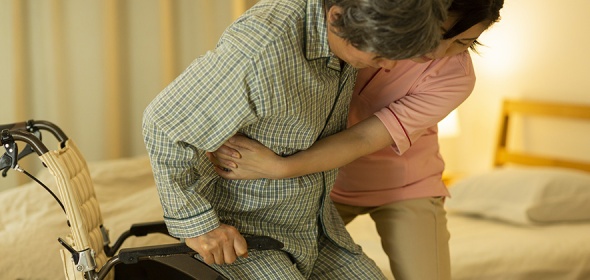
(177, 256)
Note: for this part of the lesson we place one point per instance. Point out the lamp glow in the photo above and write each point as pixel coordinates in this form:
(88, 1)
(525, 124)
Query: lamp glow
(449, 126)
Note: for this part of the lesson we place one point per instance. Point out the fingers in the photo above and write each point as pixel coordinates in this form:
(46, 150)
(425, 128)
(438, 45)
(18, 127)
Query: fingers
(216, 254)
(224, 173)
(240, 141)
(202, 249)
(229, 253)
(220, 162)
(220, 246)
(226, 151)
(212, 158)
(241, 247)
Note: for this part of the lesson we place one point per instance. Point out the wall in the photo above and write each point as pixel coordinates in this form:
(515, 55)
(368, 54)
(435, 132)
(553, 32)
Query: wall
(58, 60)
(539, 50)
(92, 66)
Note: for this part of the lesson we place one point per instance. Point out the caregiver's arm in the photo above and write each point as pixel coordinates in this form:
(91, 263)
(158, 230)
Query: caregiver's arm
(244, 158)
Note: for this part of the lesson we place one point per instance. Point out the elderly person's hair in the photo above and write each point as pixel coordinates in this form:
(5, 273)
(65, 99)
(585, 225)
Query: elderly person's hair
(392, 29)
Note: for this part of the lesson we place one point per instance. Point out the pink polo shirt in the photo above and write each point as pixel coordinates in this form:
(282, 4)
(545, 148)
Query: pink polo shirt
(410, 100)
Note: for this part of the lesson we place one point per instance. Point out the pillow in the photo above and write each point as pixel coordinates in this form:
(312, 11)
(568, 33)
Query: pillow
(524, 195)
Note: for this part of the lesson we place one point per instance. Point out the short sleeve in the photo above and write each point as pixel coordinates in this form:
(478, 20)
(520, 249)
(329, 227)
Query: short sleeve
(441, 88)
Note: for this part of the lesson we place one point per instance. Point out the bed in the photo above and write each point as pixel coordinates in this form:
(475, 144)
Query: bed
(529, 217)
(505, 224)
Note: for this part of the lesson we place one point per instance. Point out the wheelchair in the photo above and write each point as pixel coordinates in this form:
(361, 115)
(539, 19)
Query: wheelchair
(87, 251)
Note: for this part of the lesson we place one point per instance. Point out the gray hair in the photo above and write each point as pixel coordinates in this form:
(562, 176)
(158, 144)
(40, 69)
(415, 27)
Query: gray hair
(392, 29)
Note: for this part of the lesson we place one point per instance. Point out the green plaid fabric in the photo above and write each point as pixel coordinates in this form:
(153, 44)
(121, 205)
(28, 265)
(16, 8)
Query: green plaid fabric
(273, 78)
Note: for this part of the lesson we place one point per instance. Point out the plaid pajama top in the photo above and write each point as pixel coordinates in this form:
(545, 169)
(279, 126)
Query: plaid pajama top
(273, 78)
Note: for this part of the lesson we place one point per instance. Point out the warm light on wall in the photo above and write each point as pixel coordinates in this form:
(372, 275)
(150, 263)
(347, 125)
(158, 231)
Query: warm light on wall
(239, 7)
(449, 126)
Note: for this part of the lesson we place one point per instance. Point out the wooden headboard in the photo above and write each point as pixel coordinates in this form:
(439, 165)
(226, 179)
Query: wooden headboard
(534, 108)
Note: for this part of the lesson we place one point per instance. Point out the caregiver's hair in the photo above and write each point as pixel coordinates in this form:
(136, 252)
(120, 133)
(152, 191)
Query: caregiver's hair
(392, 29)
(471, 12)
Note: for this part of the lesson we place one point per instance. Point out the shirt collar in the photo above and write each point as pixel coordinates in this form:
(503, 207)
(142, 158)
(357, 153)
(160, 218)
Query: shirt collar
(316, 35)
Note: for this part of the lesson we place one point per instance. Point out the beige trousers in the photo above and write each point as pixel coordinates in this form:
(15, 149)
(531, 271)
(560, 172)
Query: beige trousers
(413, 234)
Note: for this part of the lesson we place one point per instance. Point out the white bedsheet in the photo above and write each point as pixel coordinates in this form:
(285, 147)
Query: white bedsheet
(484, 249)
(31, 220)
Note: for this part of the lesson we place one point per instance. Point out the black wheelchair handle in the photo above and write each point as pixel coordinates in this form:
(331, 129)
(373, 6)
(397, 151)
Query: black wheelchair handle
(9, 136)
(10, 126)
(35, 125)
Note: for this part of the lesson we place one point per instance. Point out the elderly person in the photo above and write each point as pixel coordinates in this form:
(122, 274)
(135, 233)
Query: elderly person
(282, 74)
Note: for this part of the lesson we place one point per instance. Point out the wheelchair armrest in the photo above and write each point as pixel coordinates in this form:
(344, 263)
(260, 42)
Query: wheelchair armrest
(143, 229)
(133, 255)
(138, 230)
